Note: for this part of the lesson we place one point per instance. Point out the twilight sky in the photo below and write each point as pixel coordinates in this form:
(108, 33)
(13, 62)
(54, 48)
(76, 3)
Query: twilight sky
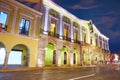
(105, 14)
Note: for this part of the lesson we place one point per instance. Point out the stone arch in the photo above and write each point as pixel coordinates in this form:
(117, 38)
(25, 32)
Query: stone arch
(66, 19)
(20, 53)
(2, 54)
(54, 13)
(50, 55)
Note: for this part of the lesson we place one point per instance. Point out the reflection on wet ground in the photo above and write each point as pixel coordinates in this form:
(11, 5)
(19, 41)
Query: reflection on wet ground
(102, 72)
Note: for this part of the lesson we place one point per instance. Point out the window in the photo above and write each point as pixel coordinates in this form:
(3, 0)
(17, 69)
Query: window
(24, 26)
(66, 31)
(52, 29)
(96, 40)
(3, 19)
(84, 37)
(75, 34)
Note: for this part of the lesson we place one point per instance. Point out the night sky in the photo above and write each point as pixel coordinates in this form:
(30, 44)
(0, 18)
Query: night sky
(105, 14)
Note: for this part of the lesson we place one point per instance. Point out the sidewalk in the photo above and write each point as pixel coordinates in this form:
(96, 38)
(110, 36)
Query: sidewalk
(39, 68)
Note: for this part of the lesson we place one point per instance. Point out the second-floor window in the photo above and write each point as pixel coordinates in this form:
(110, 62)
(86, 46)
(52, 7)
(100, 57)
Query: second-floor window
(75, 34)
(52, 29)
(24, 26)
(66, 31)
(3, 19)
(84, 37)
(96, 41)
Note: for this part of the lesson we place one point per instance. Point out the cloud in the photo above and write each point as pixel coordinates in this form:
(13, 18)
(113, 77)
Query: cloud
(87, 2)
(112, 13)
(78, 6)
(106, 21)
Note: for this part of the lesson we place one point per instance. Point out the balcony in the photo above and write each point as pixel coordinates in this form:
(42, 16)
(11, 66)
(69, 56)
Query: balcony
(52, 34)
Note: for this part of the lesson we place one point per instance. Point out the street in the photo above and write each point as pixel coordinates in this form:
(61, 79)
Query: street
(100, 72)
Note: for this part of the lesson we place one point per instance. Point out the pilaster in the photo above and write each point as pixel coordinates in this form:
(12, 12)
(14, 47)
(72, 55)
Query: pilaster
(61, 26)
(46, 19)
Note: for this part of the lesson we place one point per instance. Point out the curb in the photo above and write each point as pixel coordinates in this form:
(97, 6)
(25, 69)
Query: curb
(39, 68)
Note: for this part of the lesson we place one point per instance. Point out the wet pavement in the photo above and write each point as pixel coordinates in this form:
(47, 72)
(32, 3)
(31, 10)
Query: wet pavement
(101, 72)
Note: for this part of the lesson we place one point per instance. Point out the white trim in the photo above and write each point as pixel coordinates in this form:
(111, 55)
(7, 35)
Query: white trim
(26, 15)
(64, 23)
(53, 17)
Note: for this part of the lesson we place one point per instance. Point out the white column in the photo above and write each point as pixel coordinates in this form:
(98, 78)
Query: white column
(88, 37)
(98, 41)
(107, 45)
(71, 28)
(14, 19)
(102, 44)
(81, 33)
(61, 27)
(46, 17)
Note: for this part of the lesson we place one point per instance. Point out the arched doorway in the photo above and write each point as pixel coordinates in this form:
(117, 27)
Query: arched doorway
(65, 58)
(19, 56)
(54, 57)
(50, 55)
(2, 54)
(74, 58)
(64, 55)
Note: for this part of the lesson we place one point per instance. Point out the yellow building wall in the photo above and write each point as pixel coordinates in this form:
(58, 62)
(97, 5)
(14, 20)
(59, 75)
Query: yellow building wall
(12, 40)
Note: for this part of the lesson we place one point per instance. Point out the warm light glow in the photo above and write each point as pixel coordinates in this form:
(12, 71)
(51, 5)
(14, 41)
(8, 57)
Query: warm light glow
(52, 25)
(75, 35)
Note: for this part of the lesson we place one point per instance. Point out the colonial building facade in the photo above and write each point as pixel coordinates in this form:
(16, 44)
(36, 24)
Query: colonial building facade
(48, 35)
